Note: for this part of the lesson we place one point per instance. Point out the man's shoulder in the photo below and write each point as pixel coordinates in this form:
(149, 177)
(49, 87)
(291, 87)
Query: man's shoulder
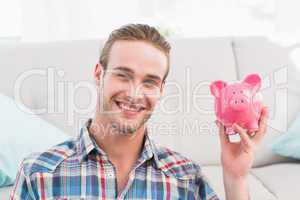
(174, 163)
(49, 160)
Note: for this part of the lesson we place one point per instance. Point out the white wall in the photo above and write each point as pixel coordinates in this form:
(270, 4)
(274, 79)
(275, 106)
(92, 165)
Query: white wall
(52, 20)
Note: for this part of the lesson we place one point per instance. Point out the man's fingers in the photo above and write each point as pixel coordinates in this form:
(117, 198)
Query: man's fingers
(222, 134)
(263, 119)
(243, 134)
(262, 125)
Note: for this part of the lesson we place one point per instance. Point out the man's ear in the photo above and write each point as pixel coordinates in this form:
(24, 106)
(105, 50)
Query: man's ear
(97, 73)
(254, 81)
(216, 87)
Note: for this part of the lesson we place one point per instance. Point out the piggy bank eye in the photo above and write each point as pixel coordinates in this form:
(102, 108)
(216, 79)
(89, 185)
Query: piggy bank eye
(233, 92)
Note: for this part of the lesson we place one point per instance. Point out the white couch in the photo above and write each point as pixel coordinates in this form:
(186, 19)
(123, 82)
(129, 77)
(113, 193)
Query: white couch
(187, 107)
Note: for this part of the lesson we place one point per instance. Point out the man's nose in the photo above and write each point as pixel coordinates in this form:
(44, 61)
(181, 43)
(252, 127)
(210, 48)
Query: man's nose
(135, 89)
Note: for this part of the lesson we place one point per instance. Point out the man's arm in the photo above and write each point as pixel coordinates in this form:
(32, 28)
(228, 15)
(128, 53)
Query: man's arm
(236, 188)
(238, 158)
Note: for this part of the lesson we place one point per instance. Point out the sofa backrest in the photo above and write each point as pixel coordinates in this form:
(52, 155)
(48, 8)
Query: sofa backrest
(56, 80)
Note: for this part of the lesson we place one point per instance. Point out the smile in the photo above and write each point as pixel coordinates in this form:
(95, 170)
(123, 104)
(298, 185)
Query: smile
(133, 108)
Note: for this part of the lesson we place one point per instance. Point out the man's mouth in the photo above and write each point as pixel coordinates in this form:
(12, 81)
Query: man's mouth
(129, 108)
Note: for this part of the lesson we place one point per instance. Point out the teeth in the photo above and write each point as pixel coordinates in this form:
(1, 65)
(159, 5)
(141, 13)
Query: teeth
(130, 107)
(127, 107)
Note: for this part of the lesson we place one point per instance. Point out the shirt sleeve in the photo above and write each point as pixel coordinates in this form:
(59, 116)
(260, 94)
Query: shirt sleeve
(21, 189)
(204, 190)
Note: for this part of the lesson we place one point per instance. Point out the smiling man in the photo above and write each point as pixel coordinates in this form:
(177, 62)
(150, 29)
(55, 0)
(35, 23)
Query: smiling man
(113, 156)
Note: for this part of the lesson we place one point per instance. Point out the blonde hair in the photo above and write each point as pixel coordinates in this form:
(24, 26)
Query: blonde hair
(136, 32)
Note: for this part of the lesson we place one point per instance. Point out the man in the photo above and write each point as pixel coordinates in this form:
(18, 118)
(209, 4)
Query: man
(113, 157)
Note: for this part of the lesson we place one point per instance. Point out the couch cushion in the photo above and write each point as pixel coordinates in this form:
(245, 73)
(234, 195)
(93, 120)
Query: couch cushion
(256, 188)
(54, 79)
(283, 179)
(279, 88)
(289, 143)
(22, 133)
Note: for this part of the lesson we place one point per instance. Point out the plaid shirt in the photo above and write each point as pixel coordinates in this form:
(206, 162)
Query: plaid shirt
(79, 169)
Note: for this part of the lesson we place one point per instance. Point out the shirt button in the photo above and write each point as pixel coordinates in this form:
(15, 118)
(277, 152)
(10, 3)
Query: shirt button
(110, 174)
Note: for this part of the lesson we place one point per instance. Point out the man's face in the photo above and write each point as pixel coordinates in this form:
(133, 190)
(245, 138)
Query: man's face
(131, 85)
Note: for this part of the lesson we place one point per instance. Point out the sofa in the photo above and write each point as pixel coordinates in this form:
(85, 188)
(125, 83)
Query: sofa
(58, 77)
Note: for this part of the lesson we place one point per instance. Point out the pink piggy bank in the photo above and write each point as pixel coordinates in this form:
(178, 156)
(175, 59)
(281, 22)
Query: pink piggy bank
(238, 103)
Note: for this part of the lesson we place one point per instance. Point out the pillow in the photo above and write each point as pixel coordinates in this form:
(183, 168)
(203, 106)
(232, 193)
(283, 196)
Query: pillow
(4, 179)
(22, 133)
(289, 143)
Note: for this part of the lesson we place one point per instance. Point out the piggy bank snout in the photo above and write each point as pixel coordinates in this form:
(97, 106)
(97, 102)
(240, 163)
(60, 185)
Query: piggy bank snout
(239, 102)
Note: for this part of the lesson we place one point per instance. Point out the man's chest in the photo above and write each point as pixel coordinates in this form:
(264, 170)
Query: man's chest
(102, 183)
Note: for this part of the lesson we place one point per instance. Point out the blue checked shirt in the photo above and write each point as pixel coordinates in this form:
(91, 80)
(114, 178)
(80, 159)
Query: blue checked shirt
(79, 169)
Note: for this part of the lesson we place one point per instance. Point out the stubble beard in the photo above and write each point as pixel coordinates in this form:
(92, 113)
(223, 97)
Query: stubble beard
(117, 125)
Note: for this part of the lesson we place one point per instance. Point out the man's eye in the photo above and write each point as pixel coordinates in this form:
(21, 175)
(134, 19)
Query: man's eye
(123, 76)
(151, 83)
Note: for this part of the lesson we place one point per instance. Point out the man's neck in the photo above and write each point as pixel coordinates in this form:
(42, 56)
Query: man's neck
(121, 149)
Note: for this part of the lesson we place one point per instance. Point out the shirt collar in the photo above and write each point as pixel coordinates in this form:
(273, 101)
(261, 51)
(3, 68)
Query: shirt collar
(148, 151)
(162, 158)
(87, 145)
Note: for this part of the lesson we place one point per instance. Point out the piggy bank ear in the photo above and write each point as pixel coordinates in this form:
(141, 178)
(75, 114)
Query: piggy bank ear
(216, 87)
(254, 81)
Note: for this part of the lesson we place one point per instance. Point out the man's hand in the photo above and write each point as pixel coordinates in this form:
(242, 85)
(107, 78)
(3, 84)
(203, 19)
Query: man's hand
(237, 158)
